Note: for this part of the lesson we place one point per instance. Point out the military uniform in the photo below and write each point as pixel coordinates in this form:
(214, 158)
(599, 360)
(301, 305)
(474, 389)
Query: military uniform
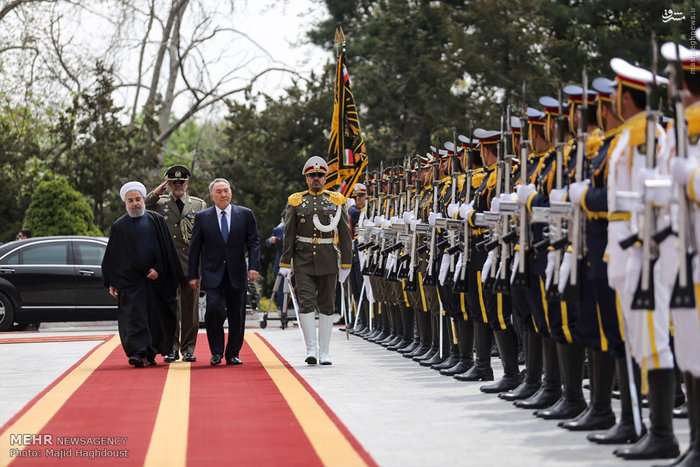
(179, 216)
(313, 254)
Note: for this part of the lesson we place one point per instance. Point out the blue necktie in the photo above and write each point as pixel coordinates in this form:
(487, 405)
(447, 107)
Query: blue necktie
(224, 226)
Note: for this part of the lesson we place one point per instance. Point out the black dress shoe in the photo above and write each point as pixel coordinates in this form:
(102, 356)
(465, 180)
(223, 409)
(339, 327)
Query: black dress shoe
(523, 391)
(137, 362)
(681, 412)
(234, 361)
(171, 357)
(622, 433)
(545, 397)
(651, 446)
(215, 360)
(563, 411)
(590, 421)
(188, 357)
(151, 361)
(460, 368)
(476, 374)
(507, 383)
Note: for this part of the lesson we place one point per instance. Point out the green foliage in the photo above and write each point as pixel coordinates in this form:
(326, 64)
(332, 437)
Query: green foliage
(20, 164)
(97, 152)
(59, 209)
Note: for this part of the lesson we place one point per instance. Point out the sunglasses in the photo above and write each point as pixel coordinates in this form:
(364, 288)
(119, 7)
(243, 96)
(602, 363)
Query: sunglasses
(316, 175)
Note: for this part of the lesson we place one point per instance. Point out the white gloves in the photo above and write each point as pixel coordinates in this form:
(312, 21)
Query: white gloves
(524, 192)
(465, 210)
(433, 216)
(495, 205)
(565, 270)
(458, 269)
(408, 216)
(343, 275)
(516, 265)
(285, 272)
(558, 195)
(549, 269)
(452, 210)
(576, 191)
(444, 268)
(661, 194)
(486, 270)
(350, 202)
(682, 169)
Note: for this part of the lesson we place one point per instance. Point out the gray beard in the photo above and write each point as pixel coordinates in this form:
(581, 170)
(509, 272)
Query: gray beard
(137, 213)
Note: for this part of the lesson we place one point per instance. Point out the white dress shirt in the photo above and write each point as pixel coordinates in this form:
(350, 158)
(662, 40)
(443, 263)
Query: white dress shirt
(228, 217)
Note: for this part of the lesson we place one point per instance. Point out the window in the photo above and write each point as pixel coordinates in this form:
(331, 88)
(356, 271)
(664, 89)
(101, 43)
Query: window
(90, 254)
(47, 253)
(12, 259)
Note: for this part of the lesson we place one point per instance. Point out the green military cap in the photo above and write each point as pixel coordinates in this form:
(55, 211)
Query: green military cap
(177, 172)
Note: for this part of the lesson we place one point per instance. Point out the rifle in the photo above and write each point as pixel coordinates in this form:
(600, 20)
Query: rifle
(430, 278)
(683, 295)
(506, 142)
(644, 295)
(578, 242)
(521, 275)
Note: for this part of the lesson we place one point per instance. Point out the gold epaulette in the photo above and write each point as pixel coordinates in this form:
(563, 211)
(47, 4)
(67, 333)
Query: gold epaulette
(491, 182)
(295, 199)
(445, 184)
(692, 115)
(478, 177)
(637, 127)
(594, 142)
(612, 132)
(336, 197)
(566, 151)
(460, 181)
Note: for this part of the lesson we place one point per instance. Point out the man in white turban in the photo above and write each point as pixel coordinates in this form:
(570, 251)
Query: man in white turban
(141, 270)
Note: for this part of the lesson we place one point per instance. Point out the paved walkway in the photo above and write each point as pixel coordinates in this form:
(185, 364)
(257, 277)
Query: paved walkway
(401, 413)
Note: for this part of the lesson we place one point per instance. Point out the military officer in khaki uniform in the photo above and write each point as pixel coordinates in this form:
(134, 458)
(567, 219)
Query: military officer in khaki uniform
(179, 209)
(318, 248)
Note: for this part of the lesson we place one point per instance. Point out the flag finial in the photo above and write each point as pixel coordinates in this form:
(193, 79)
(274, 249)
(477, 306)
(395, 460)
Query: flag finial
(339, 36)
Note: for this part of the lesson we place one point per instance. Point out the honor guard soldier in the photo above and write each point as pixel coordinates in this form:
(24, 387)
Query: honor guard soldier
(630, 253)
(318, 248)
(178, 208)
(685, 169)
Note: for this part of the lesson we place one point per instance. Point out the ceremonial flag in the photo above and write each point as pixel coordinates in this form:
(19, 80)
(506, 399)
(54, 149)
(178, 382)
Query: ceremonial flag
(347, 156)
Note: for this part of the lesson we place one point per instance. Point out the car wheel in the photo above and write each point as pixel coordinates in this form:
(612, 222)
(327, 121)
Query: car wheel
(7, 313)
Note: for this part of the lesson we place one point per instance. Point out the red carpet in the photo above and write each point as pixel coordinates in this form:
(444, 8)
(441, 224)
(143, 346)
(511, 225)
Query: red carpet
(260, 413)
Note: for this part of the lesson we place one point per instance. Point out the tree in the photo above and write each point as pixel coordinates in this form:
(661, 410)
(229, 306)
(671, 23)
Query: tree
(59, 209)
(96, 151)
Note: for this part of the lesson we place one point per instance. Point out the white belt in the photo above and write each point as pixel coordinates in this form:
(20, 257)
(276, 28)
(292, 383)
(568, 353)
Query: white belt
(315, 240)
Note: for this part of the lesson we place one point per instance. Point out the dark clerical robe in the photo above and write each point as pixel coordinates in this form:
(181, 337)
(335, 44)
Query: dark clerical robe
(147, 309)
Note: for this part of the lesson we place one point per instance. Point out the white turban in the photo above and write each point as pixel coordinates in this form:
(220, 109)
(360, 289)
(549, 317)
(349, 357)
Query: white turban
(132, 186)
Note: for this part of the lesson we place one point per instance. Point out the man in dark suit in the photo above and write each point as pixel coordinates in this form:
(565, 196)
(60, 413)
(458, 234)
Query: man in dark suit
(221, 236)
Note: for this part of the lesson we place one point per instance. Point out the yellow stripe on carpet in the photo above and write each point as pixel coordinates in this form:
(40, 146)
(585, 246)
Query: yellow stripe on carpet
(331, 445)
(50, 403)
(168, 444)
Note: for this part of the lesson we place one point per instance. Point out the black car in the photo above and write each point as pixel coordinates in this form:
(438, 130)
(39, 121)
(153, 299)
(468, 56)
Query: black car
(53, 279)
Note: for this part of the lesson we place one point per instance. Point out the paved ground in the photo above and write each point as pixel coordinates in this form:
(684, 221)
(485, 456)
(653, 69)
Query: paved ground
(403, 414)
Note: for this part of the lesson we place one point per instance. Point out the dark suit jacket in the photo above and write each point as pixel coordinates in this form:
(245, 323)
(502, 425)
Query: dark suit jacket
(216, 256)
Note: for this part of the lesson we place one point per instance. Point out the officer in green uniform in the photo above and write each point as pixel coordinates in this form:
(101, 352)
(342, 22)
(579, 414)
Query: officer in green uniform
(316, 233)
(178, 208)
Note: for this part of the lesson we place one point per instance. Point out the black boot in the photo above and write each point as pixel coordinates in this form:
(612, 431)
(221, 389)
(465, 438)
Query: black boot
(659, 442)
(442, 340)
(390, 317)
(434, 329)
(682, 411)
(533, 377)
(450, 341)
(623, 432)
(481, 371)
(550, 391)
(408, 334)
(599, 415)
(691, 457)
(508, 350)
(571, 358)
(423, 335)
(465, 333)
